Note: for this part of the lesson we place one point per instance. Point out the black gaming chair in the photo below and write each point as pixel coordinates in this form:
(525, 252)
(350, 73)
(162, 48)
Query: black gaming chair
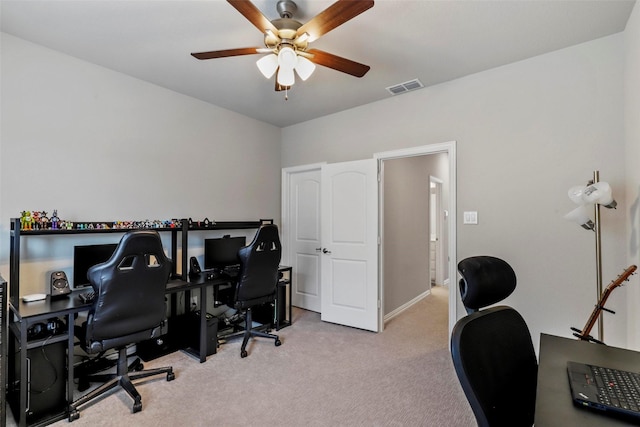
(258, 278)
(129, 307)
(492, 349)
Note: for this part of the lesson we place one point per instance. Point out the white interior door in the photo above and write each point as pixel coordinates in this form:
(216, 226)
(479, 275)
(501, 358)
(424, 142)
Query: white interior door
(349, 230)
(304, 238)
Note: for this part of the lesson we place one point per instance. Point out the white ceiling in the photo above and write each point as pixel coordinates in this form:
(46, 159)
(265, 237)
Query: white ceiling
(434, 41)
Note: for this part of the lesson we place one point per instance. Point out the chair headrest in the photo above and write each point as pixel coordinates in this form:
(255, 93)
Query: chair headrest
(485, 280)
(139, 241)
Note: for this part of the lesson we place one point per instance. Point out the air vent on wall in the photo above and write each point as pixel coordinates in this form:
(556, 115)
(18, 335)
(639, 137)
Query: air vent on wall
(405, 87)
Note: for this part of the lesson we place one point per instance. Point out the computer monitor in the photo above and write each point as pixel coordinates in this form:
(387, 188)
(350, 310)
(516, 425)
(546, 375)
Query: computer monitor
(85, 257)
(222, 252)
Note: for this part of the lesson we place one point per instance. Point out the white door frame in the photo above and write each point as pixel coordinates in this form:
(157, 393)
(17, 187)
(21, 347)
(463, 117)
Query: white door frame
(438, 279)
(450, 149)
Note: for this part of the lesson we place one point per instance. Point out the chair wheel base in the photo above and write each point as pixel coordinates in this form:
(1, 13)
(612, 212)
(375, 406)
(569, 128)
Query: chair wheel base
(278, 343)
(74, 415)
(137, 407)
(171, 376)
(243, 353)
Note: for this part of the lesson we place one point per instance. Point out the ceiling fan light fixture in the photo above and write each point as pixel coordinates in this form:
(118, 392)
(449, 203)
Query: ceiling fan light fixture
(287, 58)
(286, 77)
(268, 65)
(305, 68)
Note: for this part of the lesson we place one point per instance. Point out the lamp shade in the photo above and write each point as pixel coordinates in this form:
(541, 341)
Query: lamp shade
(581, 217)
(268, 65)
(287, 58)
(304, 68)
(286, 77)
(599, 192)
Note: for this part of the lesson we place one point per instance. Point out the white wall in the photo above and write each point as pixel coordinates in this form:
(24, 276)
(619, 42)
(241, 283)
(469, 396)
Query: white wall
(100, 146)
(632, 163)
(525, 133)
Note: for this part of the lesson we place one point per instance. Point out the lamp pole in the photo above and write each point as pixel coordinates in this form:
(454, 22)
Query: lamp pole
(596, 178)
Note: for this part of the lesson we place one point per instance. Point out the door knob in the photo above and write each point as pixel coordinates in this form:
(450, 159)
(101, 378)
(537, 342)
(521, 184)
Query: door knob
(325, 251)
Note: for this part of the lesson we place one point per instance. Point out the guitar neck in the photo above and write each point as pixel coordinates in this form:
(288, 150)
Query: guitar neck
(595, 314)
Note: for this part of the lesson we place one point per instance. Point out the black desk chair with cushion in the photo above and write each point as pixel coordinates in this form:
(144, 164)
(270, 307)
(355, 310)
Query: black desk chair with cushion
(492, 349)
(129, 307)
(258, 278)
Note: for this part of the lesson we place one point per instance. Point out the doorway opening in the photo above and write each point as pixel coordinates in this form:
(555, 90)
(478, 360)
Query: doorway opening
(405, 225)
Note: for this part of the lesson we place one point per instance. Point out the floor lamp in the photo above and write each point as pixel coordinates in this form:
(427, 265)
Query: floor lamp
(596, 193)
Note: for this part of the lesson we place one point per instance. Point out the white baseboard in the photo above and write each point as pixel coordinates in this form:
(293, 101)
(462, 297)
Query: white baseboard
(405, 306)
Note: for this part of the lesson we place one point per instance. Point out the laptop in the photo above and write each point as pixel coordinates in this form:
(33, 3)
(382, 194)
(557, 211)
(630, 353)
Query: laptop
(608, 391)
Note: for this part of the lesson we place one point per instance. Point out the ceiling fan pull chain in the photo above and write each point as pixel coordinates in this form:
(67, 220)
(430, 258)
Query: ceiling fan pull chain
(286, 93)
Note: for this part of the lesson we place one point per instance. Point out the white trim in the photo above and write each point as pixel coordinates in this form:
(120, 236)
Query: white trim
(450, 149)
(407, 305)
(438, 261)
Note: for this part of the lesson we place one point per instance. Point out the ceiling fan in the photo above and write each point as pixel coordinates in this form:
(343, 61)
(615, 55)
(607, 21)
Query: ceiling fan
(287, 40)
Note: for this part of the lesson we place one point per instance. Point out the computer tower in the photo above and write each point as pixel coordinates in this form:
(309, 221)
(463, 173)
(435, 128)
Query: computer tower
(46, 381)
(193, 330)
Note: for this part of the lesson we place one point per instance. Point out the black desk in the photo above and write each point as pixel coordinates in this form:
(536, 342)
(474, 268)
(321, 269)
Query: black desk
(554, 406)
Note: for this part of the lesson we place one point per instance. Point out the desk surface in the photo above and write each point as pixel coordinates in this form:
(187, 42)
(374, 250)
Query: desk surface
(554, 406)
(71, 303)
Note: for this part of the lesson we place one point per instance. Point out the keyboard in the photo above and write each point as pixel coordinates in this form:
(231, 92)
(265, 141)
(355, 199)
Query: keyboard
(87, 296)
(620, 389)
(231, 271)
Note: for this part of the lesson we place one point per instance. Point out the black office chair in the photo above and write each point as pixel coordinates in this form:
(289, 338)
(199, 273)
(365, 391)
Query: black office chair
(129, 307)
(258, 279)
(492, 349)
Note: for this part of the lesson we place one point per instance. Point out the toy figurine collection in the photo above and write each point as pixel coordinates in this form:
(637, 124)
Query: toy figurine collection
(38, 220)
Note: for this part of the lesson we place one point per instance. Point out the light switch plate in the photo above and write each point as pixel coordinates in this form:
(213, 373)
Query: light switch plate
(470, 217)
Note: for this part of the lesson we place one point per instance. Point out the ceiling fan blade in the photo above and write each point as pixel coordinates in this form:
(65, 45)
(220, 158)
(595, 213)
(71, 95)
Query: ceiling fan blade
(253, 14)
(225, 53)
(338, 63)
(333, 16)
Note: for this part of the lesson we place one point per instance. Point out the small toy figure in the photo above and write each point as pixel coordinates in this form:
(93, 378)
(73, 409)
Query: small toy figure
(55, 220)
(26, 221)
(35, 220)
(44, 220)
(23, 215)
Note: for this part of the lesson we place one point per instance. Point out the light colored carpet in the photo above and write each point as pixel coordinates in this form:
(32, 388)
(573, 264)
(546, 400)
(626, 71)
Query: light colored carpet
(322, 375)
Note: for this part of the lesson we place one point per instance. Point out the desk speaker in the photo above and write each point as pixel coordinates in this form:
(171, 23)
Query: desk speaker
(59, 284)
